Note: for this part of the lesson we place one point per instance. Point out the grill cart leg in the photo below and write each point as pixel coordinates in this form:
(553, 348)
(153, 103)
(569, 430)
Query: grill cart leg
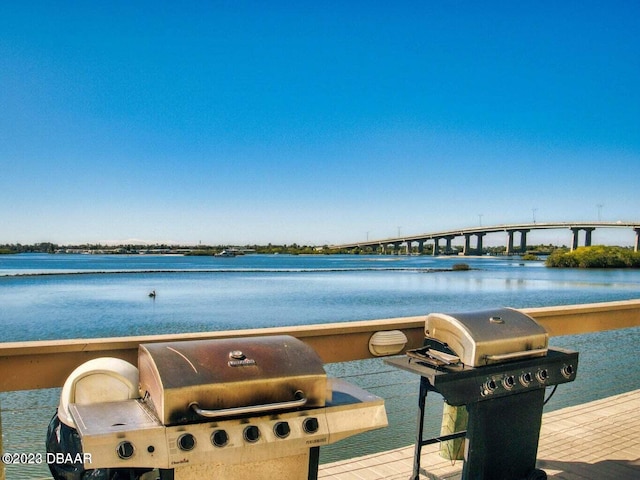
(420, 441)
(424, 384)
(314, 461)
(502, 438)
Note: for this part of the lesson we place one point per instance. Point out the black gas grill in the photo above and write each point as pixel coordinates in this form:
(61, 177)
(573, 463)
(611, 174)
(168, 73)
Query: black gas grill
(497, 364)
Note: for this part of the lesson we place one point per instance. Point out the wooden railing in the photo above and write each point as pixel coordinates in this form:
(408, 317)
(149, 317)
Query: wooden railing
(46, 364)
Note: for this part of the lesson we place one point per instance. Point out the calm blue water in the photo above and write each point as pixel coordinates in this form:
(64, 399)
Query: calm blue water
(107, 295)
(86, 296)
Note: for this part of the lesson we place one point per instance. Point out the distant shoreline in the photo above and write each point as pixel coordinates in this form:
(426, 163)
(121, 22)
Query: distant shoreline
(234, 270)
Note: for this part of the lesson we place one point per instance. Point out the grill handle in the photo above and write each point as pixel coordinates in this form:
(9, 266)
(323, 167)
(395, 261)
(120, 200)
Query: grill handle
(513, 355)
(300, 401)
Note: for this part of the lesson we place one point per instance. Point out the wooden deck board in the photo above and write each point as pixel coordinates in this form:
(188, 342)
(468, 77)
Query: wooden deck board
(596, 440)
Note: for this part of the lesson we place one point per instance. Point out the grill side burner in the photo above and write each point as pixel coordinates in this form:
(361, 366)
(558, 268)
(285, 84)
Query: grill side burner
(504, 394)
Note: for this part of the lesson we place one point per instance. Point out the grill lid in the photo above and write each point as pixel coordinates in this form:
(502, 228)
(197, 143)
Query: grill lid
(186, 382)
(488, 336)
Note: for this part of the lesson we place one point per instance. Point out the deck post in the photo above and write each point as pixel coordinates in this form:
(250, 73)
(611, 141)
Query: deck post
(454, 419)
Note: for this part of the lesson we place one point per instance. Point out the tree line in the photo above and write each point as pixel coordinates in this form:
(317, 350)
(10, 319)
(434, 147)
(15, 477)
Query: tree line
(49, 247)
(291, 249)
(598, 256)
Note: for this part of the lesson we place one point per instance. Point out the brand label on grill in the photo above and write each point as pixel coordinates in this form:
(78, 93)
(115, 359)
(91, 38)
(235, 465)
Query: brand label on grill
(242, 363)
(317, 441)
(238, 359)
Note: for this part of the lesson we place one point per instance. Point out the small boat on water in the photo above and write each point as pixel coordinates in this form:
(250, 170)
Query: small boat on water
(229, 252)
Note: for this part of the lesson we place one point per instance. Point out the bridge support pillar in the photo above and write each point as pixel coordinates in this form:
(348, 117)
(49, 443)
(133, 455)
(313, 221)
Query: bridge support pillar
(396, 248)
(436, 246)
(448, 248)
(574, 238)
(637, 244)
(420, 247)
(467, 244)
(509, 242)
(575, 233)
(479, 243)
(523, 241)
(587, 236)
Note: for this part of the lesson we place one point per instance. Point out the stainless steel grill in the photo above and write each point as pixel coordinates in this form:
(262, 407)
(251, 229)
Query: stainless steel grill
(234, 408)
(488, 337)
(497, 364)
(190, 381)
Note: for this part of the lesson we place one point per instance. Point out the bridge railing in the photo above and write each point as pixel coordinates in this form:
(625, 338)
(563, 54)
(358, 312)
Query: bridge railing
(45, 364)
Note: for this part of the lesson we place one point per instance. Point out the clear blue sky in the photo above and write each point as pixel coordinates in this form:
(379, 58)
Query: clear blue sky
(313, 122)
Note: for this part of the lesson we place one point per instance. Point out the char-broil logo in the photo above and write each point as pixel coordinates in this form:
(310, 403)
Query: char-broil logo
(317, 441)
(238, 359)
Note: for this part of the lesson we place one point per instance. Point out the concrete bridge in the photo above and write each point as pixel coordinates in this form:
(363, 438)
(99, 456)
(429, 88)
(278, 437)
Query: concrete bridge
(511, 230)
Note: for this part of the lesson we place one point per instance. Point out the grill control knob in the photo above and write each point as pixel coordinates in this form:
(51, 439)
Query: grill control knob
(219, 438)
(509, 382)
(251, 434)
(542, 375)
(526, 379)
(281, 429)
(311, 425)
(125, 450)
(490, 386)
(186, 442)
(567, 371)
